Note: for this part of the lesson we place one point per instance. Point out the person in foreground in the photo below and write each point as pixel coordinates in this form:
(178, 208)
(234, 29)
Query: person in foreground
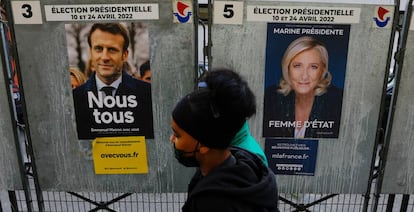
(228, 178)
(243, 138)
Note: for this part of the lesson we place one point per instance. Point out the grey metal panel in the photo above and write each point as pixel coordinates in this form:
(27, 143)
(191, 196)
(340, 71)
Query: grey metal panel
(399, 168)
(60, 157)
(9, 166)
(343, 164)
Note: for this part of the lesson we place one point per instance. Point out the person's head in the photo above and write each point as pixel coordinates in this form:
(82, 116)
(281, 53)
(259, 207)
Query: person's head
(209, 117)
(77, 77)
(108, 44)
(305, 67)
(145, 72)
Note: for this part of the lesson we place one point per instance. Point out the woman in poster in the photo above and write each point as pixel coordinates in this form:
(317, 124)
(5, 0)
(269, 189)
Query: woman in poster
(305, 104)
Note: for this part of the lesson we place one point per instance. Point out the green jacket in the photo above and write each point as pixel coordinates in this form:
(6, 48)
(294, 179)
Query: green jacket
(245, 140)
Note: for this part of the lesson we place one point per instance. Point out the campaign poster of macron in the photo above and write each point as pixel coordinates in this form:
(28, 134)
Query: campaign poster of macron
(110, 96)
(304, 79)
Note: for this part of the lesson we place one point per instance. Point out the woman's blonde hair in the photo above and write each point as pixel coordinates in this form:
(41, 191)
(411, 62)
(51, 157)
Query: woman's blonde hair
(296, 47)
(79, 75)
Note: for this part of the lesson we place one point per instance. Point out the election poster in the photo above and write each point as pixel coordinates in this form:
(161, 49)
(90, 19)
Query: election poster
(304, 79)
(110, 76)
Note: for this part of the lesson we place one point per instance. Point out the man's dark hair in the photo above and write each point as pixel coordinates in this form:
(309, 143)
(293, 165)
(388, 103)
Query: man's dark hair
(113, 28)
(144, 67)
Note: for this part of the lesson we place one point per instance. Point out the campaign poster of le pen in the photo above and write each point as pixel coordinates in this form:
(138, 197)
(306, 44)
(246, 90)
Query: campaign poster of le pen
(110, 76)
(304, 79)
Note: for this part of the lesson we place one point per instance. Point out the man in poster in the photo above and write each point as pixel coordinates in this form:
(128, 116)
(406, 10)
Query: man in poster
(111, 102)
(305, 103)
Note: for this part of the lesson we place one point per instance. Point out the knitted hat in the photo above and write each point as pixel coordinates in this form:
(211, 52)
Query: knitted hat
(200, 116)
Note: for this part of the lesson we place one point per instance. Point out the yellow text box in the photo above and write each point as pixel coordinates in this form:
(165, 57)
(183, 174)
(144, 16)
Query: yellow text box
(120, 155)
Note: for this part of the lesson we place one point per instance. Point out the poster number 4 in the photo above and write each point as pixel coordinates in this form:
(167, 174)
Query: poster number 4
(228, 12)
(27, 12)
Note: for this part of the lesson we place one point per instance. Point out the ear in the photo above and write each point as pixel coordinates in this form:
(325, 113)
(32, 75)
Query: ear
(125, 55)
(204, 149)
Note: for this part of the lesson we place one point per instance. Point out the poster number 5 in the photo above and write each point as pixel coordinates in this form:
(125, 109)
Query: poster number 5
(228, 12)
(27, 12)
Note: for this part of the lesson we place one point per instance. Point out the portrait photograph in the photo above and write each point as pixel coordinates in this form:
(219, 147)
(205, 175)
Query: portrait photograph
(304, 80)
(109, 68)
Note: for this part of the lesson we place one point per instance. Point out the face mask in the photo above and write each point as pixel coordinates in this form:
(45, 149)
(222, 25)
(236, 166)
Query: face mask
(188, 161)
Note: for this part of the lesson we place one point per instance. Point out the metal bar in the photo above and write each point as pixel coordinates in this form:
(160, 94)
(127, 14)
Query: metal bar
(204, 69)
(399, 57)
(13, 201)
(100, 205)
(117, 199)
(4, 45)
(210, 41)
(404, 202)
(379, 136)
(390, 202)
(287, 201)
(195, 22)
(303, 207)
(83, 198)
(320, 200)
(29, 150)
